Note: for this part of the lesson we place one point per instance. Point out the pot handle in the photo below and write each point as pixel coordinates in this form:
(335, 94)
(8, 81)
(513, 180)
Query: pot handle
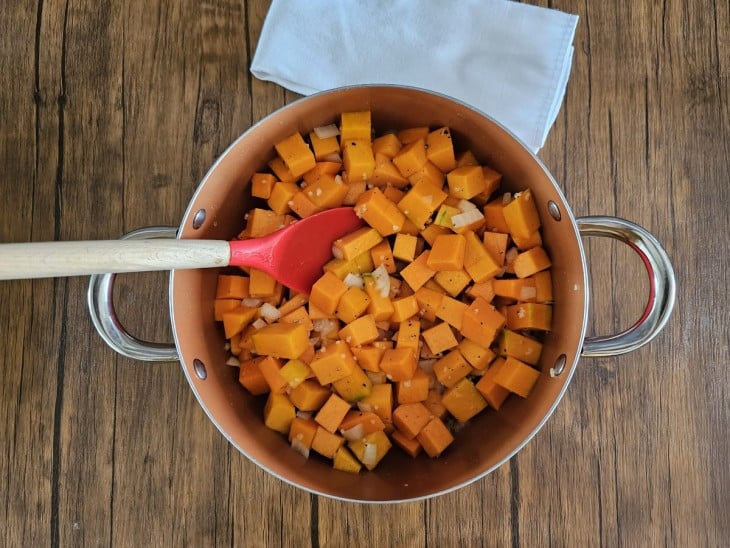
(662, 286)
(100, 299)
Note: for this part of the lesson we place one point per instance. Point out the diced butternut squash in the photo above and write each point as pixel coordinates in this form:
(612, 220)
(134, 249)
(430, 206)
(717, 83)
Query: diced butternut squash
(262, 184)
(440, 149)
(301, 434)
(435, 437)
(399, 364)
(333, 362)
(280, 197)
(410, 418)
(271, 370)
(463, 400)
(359, 331)
(356, 125)
(310, 395)
(521, 215)
(543, 286)
(428, 173)
(478, 356)
(496, 245)
(326, 443)
(451, 311)
(231, 287)
(358, 160)
(261, 284)
(279, 412)
(447, 252)
(354, 387)
(382, 254)
(294, 372)
(411, 157)
(331, 413)
(379, 212)
(371, 449)
(492, 392)
(236, 320)
(281, 340)
(530, 316)
(451, 368)
(517, 377)
(519, 289)
(429, 302)
(453, 281)
(282, 172)
(440, 338)
(530, 262)
(434, 404)
(519, 346)
(414, 389)
(421, 201)
(360, 241)
(324, 147)
(478, 263)
(380, 307)
(405, 247)
(408, 335)
(411, 446)
(410, 134)
(221, 306)
(326, 293)
(345, 461)
(368, 357)
(380, 402)
(387, 144)
(251, 378)
(404, 308)
(494, 216)
(352, 304)
(358, 424)
(481, 322)
(466, 182)
(296, 154)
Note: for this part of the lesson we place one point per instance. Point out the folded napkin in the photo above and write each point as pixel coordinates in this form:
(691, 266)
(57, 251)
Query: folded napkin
(507, 59)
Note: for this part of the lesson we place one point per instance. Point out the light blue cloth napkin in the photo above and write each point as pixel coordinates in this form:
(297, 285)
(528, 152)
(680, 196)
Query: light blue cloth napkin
(507, 59)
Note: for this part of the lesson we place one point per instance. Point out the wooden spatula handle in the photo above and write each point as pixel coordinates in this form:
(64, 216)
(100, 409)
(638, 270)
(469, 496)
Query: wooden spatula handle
(53, 259)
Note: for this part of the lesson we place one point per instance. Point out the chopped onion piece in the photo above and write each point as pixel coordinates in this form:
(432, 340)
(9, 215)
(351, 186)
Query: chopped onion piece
(324, 326)
(465, 205)
(354, 433)
(251, 303)
(468, 217)
(259, 323)
(382, 280)
(337, 252)
(506, 198)
(304, 415)
(353, 280)
(426, 365)
(269, 312)
(375, 378)
(364, 407)
(298, 446)
(325, 132)
(233, 361)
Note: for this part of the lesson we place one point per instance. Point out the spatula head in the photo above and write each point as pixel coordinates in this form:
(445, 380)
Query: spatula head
(301, 249)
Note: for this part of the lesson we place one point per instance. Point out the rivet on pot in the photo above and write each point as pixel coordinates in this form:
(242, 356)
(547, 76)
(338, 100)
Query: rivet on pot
(198, 219)
(199, 368)
(559, 366)
(554, 210)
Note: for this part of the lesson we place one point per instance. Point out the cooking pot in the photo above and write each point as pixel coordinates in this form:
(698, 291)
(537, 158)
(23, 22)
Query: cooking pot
(216, 211)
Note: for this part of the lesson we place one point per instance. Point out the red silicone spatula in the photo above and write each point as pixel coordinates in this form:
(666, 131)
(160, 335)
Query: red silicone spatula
(293, 255)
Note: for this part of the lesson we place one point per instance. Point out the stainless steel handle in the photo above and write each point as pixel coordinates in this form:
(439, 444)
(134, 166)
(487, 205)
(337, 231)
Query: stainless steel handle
(662, 286)
(101, 308)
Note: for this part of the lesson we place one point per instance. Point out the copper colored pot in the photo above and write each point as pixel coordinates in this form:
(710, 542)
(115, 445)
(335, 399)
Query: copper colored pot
(216, 211)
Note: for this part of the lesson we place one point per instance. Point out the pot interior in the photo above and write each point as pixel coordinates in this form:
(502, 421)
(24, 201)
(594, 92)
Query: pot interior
(486, 441)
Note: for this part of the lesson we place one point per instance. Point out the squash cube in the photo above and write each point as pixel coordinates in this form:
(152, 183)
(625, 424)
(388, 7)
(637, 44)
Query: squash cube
(279, 412)
(295, 372)
(358, 424)
(490, 390)
(368, 357)
(352, 305)
(261, 185)
(333, 362)
(355, 243)
(411, 157)
(412, 390)
(519, 346)
(251, 378)
(530, 262)
(399, 364)
(517, 377)
(358, 160)
(478, 356)
(421, 201)
(271, 370)
(451, 368)
(466, 182)
(447, 252)
(326, 293)
(481, 322)
(354, 387)
(440, 338)
(418, 272)
(371, 449)
(380, 402)
(309, 395)
(381, 254)
(380, 308)
(410, 447)
(281, 340)
(359, 331)
(323, 147)
(331, 413)
(494, 216)
(387, 145)
(301, 434)
(463, 400)
(496, 245)
(379, 212)
(435, 437)
(478, 263)
(345, 461)
(410, 418)
(355, 125)
(536, 316)
(521, 215)
(409, 332)
(452, 311)
(404, 247)
(231, 287)
(440, 149)
(280, 197)
(296, 154)
(237, 319)
(453, 281)
(404, 308)
(326, 443)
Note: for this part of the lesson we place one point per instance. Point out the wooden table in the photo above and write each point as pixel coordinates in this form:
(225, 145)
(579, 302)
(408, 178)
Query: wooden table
(109, 117)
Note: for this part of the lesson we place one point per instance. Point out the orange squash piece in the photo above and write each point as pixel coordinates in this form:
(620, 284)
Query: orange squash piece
(326, 443)
(410, 446)
(399, 364)
(326, 293)
(447, 252)
(309, 395)
(517, 377)
(451, 368)
(418, 272)
(379, 212)
(231, 287)
(279, 412)
(356, 125)
(331, 413)
(414, 389)
(481, 322)
(530, 262)
(492, 392)
(281, 340)
(440, 338)
(435, 437)
(387, 145)
(440, 149)
(463, 400)
(521, 215)
(410, 418)
(251, 378)
(333, 362)
(296, 154)
(261, 185)
(536, 316)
